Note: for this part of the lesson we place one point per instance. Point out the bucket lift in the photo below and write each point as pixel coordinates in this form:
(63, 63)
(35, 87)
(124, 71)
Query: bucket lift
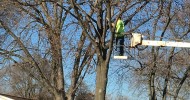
(137, 39)
(126, 45)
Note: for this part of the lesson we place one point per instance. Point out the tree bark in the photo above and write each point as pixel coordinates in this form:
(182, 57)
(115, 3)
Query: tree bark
(58, 79)
(152, 94)
(164, 95)
(101, 79)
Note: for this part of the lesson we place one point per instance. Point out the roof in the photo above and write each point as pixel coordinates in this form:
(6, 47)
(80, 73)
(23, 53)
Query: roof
(10, 97)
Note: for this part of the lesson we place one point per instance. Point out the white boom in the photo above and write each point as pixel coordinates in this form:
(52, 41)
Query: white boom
(137, 40)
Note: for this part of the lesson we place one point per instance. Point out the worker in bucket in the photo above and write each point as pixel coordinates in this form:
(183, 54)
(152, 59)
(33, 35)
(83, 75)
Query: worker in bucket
(120, 36)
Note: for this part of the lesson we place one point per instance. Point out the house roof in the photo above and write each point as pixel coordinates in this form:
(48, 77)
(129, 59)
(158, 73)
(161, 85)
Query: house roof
(10, 97)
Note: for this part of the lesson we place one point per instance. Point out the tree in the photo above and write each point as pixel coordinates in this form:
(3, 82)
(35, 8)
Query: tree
(23, 85)
(160, 68)
(83, 93)
(52, 27)
(97, 25)
(43, 21)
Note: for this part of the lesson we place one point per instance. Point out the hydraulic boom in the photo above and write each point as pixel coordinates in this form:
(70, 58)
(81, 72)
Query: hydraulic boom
(137, 40)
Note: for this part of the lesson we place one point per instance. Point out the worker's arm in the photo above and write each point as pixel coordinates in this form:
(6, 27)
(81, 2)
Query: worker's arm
(118, 25)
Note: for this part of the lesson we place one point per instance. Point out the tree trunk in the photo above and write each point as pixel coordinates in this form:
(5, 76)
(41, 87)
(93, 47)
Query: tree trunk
(164, 95)
(78, 68)
(101, 79)
(72, 91)
(70, 97)
(57, 67)
(59, 96)
(152, 94)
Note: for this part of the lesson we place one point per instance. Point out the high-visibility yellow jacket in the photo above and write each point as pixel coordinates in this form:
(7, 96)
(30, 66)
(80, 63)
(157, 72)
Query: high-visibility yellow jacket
(119, 28)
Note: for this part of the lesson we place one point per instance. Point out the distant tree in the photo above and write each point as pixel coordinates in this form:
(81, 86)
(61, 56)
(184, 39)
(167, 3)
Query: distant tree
(83, 93)
(22, 84)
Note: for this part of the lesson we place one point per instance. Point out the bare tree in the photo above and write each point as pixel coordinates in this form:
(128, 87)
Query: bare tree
(83, 93)
(160, 66)
(53, 30)
(97, 25)
(23, 85)
(47, 17)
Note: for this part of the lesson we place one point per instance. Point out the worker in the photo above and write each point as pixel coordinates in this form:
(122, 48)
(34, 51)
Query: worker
(120, 36)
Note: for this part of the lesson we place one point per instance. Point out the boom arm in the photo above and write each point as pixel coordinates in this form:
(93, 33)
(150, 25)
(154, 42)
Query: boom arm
(137, 40)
